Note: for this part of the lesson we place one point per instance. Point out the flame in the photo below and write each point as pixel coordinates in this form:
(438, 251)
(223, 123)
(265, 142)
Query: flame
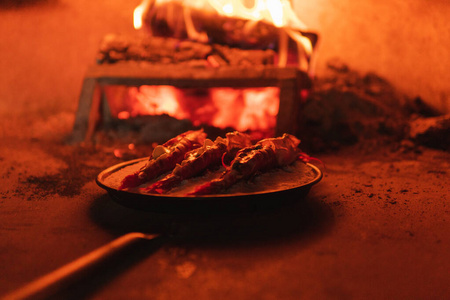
(279, 13)
(241, 109)
(139, 13)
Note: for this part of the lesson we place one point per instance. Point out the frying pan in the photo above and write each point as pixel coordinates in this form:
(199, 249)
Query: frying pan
(266, 191)
(269, 190)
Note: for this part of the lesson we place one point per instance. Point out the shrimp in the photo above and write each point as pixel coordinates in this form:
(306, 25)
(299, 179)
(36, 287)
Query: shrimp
(264, 155)
(164, 158)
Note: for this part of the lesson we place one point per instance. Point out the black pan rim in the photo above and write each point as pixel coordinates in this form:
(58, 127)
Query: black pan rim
(100, 182)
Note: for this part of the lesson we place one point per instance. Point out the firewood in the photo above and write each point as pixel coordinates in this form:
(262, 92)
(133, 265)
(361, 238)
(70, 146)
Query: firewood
(168, 19)
(205, 24)
(160, 50)
(239, 57)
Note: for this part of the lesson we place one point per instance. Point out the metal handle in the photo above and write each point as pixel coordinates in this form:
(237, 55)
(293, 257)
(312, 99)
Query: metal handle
(61, 278)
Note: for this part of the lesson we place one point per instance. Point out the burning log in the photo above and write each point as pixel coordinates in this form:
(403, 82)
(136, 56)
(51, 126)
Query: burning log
(239, 57)
(115, 48)
(160, 50)
(265, 26)
(161, 19)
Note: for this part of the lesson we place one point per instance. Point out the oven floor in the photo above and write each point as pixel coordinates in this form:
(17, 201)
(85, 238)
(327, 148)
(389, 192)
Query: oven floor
(376, 226)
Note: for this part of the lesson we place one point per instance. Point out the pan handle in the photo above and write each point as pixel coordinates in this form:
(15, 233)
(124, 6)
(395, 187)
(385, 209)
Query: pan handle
(61, 278)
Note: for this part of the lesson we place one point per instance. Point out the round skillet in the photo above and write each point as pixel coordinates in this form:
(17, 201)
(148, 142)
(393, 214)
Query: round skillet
(270, 189)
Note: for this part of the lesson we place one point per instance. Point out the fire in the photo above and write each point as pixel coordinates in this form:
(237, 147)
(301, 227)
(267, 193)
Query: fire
(254, 23)
(253, 109)
(198, 15)
(157, 100)
(276, 12)
(139, 12)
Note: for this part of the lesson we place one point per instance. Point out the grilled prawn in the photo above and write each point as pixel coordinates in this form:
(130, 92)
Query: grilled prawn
(200, 159)
(264, 155)
(165, 157)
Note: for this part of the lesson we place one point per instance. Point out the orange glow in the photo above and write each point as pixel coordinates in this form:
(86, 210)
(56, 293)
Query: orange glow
(245, 109)
(156, 100)
(242, 109)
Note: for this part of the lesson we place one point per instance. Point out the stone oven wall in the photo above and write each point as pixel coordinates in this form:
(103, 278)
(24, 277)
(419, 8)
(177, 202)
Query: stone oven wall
(404, 41)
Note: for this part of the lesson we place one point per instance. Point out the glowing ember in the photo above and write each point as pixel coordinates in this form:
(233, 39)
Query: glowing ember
(242, 109)
(245, 109)
(157, 100)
